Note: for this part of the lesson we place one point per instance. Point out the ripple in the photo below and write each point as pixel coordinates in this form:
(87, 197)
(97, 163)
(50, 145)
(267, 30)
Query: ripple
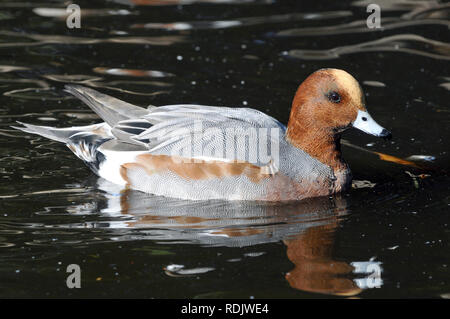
(96, 82)
(241, 22)
(62, 12)
(434, 14)
(445, 85)
(133, 72)
(50, 191)
(359, 26)
(11, 68)
(398, 5)
(35, 94)
(11, 232)
(404, 43)
(81, 115)
(175, 270)
(374, 83)
(72, 78)
(41, 39)
(6, 245)
(189, 2)
(52, 241)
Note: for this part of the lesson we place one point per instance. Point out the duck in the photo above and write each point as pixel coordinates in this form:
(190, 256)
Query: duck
(201, 152)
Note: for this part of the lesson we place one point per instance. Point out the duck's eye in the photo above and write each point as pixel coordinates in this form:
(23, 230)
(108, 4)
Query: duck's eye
(334, 97)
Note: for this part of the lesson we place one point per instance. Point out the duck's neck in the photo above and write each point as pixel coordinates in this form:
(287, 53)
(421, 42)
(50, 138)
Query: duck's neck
(322, 144)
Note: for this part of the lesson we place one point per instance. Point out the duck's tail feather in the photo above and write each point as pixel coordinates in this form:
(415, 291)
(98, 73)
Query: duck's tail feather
(110, 109)
(83, 141)
(64, 135)
(57, 134)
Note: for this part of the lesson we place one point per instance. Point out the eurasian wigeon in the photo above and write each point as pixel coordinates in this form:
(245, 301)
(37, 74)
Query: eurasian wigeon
(206, 152)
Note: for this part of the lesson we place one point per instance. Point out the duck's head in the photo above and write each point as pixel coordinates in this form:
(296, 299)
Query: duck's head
(332, 100)
(327, 103)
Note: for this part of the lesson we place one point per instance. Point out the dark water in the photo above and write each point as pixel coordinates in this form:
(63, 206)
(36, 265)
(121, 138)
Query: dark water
(386, 238)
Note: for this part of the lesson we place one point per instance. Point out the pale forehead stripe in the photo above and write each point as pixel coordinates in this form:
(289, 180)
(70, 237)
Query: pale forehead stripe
(350, 84)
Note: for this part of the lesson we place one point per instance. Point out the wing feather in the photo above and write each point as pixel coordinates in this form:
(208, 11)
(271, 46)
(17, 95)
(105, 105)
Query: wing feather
(166, 130)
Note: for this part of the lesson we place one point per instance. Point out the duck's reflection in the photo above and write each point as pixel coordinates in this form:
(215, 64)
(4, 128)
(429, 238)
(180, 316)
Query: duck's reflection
(307, 228)
(315, 270)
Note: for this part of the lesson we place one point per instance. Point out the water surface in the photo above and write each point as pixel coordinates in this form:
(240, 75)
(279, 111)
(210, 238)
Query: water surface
(386, 238)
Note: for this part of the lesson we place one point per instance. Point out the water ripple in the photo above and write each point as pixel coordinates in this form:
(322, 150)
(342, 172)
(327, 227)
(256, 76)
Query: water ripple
(188, 2)
(41, 39)
(359, 26)
(133, 72)
(430, 14)
(242, 22)
(405, 43)
(62, 12)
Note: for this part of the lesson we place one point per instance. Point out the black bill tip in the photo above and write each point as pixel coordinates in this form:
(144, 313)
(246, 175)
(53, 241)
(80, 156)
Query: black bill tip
(385, 134)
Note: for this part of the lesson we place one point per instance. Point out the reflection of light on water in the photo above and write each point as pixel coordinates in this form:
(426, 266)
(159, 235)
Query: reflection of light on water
(62, 13)
(133, 72)
(10, 68)
(175, 270)
(188, 2)
(405, 43)
(241, 22)
(359, 26)
(420, 13)
(41, 39)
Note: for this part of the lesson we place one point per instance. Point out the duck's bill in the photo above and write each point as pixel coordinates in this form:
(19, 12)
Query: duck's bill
(367, 124)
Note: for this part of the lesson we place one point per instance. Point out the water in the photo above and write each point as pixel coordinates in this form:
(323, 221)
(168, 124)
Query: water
(386, 238)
